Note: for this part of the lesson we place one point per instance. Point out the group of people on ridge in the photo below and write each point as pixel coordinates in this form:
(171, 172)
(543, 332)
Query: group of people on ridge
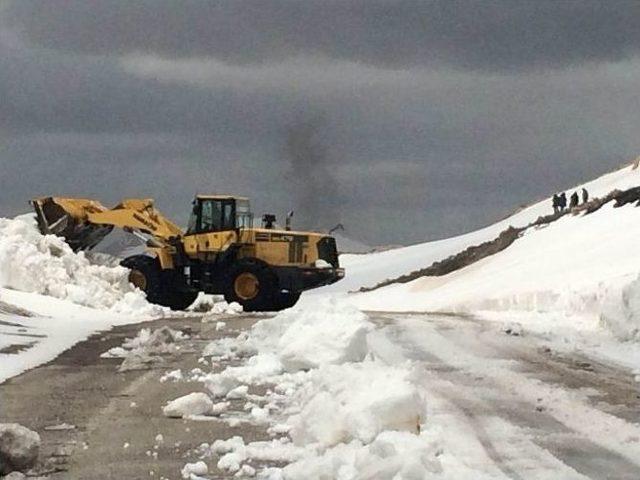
(560, 200)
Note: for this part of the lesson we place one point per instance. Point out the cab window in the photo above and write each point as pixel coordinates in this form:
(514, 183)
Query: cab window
(211, 216)
(228, 214)
(192, 227)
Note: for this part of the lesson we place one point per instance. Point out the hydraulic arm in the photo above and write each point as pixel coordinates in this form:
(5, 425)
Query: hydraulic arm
(84, 223)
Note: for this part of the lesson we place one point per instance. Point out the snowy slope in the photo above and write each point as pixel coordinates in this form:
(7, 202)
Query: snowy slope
(579, 271)
(370, 269)
(569, 264)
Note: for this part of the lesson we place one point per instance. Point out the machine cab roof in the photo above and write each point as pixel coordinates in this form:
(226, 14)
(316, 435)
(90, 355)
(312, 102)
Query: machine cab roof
(220, 197)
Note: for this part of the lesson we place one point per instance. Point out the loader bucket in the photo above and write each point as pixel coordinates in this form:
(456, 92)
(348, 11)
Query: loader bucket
(66, 218)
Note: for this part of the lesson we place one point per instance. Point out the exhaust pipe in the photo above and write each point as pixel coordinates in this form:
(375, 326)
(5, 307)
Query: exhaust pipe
(288, 221)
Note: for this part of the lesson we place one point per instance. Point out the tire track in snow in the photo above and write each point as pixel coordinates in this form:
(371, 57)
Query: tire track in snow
(485, 382)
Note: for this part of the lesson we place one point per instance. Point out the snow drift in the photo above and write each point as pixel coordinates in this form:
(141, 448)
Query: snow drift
(46, 265)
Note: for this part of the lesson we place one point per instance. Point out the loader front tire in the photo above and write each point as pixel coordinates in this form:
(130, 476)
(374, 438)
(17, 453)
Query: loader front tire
(159, 286)
(253, 285)
(145, 274)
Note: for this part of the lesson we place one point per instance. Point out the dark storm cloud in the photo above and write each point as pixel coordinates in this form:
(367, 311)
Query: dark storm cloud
(483, 34)
(386, 116)
(44, 91)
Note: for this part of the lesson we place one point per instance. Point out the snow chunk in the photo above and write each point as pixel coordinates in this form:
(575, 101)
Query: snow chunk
(203, 303)
(222, 308)
(365, 399)
(256, 370)
(238, 393)
(196, 403)
(172, 376)
(146, 348)
(15, 476)
(161, 340)
(234, 452)
(19, 447)
(191, 470)
(148, 343)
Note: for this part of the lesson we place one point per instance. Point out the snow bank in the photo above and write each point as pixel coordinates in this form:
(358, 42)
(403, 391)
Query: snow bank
(621, 312)
(45, 264)
(391, 455)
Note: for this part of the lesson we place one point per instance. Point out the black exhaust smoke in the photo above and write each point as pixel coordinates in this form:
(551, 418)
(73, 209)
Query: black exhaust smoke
(315, 186)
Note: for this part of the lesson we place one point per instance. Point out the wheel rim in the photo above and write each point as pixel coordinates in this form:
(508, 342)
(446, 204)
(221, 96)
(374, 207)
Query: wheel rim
(246, 286)
(137, 278)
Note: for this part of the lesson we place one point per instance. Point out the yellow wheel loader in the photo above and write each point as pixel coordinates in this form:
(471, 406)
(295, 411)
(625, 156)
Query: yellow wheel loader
(221, 252)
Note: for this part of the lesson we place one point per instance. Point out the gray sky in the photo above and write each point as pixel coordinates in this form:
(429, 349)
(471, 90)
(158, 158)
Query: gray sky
(404, 120)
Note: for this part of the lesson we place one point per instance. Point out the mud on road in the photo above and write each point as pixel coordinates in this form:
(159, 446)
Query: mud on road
(117, 416)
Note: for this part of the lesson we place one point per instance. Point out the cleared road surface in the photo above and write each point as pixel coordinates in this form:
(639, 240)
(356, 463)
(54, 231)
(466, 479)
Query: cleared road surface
(504, 403)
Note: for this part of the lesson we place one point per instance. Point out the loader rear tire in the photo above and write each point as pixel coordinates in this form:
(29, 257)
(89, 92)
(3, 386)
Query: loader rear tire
(253, 285)
(284, 300)
(159, 286)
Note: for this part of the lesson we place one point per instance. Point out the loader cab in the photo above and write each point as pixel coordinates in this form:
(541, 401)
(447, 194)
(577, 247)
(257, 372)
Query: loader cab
(218, 213)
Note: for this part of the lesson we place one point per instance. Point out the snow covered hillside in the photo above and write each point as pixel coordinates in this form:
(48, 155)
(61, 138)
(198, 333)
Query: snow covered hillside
(51, 297)
(580, 271)
(574, 265)
(371, 269)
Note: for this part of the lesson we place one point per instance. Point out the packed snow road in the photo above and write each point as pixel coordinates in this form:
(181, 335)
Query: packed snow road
(509, 406)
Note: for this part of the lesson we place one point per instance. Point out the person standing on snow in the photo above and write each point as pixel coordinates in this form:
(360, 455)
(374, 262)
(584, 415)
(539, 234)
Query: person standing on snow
(574, 200)
(562, 201)
(556, 203)
(585, 195)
